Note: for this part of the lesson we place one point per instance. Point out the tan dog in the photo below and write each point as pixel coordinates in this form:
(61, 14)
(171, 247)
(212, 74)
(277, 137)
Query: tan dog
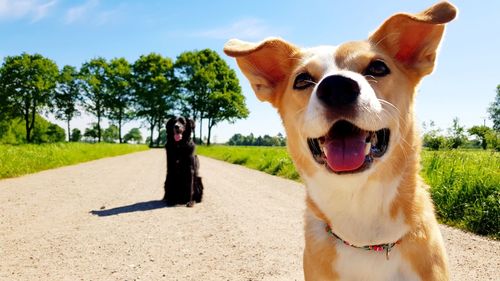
(348, 114)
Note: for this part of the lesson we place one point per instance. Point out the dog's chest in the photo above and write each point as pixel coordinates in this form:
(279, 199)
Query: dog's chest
(360, 264)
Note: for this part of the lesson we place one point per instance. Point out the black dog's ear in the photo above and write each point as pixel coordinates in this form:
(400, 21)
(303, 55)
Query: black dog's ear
(170, 122)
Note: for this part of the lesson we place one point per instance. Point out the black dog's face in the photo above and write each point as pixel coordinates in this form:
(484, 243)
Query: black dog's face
(179, 129)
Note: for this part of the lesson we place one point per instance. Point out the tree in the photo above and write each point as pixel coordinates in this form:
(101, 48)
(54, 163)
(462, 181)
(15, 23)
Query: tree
(91, 133)
(26, 85)
(481, 132)
(154, 90)
(210, 88)
(119, 98)
(432, 137)
(494, 111)
(94, 85)
(193, 78)
(226, 102)
(457, 134)
(76, 135)
(67, 95)
(133, 135)
(111, 134)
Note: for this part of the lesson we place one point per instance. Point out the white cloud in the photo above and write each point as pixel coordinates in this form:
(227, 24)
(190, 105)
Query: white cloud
(247, 29)
(35, 9)
(79, 13)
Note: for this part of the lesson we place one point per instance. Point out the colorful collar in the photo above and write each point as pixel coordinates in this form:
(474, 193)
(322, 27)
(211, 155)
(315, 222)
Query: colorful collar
(378, 248)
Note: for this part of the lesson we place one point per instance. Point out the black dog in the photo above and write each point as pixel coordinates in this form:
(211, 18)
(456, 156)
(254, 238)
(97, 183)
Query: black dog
(183, 185)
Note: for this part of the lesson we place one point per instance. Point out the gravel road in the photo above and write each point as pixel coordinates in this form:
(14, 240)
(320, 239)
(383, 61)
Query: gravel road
(102, 220)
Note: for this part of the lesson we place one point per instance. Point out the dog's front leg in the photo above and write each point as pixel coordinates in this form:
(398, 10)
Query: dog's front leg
(191, 183)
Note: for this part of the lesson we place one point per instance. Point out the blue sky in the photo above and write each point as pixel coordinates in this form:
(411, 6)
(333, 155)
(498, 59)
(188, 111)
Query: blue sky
(72, 32)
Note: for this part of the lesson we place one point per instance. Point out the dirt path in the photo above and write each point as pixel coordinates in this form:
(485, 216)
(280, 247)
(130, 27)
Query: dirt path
(102, 220)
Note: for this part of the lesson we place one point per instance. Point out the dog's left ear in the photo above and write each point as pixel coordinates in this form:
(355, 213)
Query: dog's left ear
(413, 40)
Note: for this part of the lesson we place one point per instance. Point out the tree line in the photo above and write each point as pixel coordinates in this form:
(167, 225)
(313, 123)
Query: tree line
(479, 136)
(198, 84)
(251, 140)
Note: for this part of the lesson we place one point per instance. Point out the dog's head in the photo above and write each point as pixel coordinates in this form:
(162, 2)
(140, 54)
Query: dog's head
(179, 129)
(347, 109)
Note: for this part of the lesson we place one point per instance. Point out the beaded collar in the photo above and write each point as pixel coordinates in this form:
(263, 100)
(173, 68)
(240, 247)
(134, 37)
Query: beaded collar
(377, 248)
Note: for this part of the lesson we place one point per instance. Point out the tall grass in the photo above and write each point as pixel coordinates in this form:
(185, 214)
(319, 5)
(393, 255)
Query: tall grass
(17, 160)
(272, 160)
(465, 185)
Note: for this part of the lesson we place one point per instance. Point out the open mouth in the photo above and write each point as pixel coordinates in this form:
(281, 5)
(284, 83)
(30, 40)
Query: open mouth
(178, 133)
(347, 148)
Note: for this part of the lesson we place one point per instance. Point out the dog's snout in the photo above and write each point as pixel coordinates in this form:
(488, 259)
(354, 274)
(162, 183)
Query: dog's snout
(338, 91)
(176, 127)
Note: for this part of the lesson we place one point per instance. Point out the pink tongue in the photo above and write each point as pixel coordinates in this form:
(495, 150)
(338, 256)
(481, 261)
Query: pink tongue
(346, 154)
(177, 137)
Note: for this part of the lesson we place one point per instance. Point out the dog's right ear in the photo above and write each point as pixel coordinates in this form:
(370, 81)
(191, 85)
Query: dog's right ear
(266, 64)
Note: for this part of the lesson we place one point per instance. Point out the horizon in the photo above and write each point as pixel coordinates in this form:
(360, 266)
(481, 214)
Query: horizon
(73, 32)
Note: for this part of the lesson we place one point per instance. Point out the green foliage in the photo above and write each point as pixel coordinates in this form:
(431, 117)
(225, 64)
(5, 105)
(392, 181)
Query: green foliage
(456, 135)
(133, 135)
(250, 140)
(494, 111)
(67, 95)
(493, 140)
(111, 134)
(210, 88)
(119, 98)
(91, 133)
(465, 186)
(76, 135)
(13, 131)
(481, 132)
(93, 75)
(26, 85)
(432, 137)
(24, 159)
(154, 88)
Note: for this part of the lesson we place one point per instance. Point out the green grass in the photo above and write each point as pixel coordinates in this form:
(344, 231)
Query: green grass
(272, 160)
(465, 184)
(17, 160)
(465, 187)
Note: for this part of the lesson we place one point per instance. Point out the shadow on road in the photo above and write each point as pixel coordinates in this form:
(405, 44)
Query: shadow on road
(137, 207)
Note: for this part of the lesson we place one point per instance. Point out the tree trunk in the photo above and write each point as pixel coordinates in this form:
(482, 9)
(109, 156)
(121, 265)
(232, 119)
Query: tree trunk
(210, 125)
(152, 128)
(69, 132)
(201, 127)
(194, 131)
(98, 126)
(120, 125)
(159, 129)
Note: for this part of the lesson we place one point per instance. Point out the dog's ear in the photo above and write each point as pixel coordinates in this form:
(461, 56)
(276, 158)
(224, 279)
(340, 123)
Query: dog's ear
(191, 124)
(170, 123)
(413, 39)
(265, 64)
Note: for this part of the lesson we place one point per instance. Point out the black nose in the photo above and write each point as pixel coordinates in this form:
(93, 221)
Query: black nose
(338, 91)
(176, 127)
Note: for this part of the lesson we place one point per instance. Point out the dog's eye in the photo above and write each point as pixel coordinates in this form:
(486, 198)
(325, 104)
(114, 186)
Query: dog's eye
(377, 68)
(303, 81)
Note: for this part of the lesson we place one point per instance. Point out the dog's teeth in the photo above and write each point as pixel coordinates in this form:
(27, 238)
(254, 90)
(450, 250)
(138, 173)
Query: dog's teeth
(324, 151)
(368, 148)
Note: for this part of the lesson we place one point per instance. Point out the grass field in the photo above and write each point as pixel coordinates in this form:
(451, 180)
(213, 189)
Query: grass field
(17, 160)
(465, 185)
